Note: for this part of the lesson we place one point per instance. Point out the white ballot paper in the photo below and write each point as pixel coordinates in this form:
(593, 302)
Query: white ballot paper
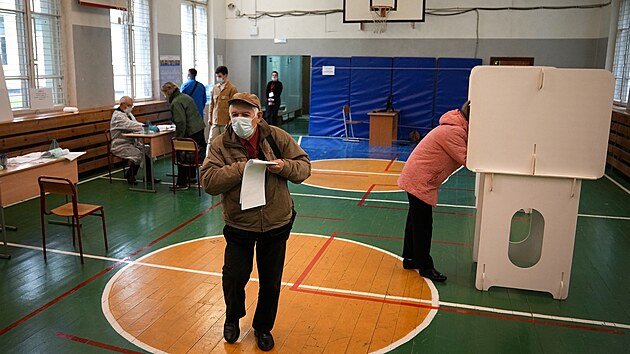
(253, 185)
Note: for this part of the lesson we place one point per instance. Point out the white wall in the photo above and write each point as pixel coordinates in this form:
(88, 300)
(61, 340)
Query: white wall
(570, 23)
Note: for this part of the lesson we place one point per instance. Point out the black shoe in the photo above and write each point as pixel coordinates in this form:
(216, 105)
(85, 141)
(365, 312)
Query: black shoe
(432, 274)
(179, 188)
(231, 331)
(155, 180)
(264, 340)
(408, 263)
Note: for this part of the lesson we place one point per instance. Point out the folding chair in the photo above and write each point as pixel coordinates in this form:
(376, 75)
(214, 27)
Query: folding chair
(348, 124)
(110, 156)
(185, 153)
(73, 209)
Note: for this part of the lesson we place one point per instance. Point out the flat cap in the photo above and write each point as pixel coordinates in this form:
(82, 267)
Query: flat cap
(245, 97)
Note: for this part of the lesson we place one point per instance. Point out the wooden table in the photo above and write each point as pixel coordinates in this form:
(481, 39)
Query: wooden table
(159, 144)
(19, 182)
(383, 128)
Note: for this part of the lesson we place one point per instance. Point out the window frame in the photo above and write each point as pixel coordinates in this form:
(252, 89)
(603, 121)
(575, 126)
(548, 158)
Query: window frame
(130, 28)
(28, 56)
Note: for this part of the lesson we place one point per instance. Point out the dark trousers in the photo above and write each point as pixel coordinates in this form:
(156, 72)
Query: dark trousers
(238, 263)
(271, 115)
(133, 169)
(185, 173)
(418, 233)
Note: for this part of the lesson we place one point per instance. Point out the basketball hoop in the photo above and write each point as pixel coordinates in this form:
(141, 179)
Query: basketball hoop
(380, 13)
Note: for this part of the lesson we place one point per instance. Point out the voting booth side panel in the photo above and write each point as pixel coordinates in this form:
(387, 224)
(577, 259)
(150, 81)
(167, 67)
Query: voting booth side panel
(539, 121)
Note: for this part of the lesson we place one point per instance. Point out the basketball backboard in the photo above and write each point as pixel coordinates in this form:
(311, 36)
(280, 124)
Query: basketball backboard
(359, 11)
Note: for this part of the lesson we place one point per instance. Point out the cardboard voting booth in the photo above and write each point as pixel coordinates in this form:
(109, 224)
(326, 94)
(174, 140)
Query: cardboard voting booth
(534, 134)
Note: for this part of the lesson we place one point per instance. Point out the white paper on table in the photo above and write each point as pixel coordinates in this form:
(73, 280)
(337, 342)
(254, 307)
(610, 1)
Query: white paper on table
(73, 155)
(253, 184)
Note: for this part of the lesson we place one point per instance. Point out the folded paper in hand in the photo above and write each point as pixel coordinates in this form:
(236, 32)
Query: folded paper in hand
(253, 184)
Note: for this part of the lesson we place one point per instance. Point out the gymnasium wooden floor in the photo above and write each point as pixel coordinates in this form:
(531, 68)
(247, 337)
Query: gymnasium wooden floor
(158, 289)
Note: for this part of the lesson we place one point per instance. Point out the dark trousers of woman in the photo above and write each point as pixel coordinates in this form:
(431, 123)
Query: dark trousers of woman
(238, 263)
(184, 173)
(418, 233)
(271, 115)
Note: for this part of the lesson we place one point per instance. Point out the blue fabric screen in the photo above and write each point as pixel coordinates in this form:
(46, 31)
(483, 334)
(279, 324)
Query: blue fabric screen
(413, 87)
(329, 93)
(370, 86)
(451, 87)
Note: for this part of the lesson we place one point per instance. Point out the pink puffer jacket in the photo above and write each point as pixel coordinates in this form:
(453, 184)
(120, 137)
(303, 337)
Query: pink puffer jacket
(438, 155)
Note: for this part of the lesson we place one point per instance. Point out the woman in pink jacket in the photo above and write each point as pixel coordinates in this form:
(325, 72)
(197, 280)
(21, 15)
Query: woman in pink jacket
(435, 158)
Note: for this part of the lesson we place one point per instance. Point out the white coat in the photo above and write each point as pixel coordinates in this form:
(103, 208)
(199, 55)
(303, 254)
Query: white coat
(123, 147)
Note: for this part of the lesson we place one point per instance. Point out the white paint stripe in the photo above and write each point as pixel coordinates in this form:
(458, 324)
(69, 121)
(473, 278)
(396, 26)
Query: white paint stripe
(605, 217)
(348, 292)
(439, 205)
(299, 142)
(355, 172)
(618, 184)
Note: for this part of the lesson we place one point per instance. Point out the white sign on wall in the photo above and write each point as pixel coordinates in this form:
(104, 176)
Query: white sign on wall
(328, 70)
(41, 98)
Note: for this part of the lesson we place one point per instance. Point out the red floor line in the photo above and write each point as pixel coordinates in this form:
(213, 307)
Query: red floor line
(174, 230)
(96, 344)
(391, 162)
(96, 276)
(462, 311)
(338, 174)
(367, 193)
(310, 266)
(319, 217)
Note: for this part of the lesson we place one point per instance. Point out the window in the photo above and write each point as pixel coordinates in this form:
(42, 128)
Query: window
(131, 51)
(195, 39)
(621, 61)
(31, 49)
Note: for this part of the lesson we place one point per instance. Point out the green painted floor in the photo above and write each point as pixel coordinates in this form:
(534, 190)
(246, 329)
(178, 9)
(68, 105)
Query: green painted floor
(55, 307)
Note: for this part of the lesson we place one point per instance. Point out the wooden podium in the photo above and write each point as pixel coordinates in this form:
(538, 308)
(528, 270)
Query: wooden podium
(383, 128)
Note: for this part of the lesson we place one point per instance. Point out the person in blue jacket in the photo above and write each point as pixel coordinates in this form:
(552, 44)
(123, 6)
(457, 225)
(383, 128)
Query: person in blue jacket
(195, 89)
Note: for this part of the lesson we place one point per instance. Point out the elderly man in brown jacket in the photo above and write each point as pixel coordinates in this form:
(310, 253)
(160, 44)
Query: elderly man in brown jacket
(266, 227)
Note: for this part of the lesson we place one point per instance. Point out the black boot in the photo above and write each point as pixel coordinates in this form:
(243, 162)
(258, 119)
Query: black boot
(131, 173)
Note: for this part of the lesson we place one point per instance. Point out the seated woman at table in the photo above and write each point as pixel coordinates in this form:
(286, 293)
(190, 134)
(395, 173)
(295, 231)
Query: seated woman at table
(130, 149)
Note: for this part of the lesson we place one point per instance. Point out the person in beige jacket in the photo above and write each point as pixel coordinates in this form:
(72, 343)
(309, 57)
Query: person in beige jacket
(218, 116)
(265, 228)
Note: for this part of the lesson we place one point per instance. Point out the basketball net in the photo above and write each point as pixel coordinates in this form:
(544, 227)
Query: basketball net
(379, 17)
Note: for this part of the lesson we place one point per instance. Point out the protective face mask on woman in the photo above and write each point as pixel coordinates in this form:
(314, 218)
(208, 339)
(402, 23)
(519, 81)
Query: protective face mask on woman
(243, 127)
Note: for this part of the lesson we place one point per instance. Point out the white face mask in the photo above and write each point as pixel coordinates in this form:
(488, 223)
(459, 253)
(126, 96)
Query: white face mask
(128, 109)
(274, 79)
(220, 80)
(243, 127)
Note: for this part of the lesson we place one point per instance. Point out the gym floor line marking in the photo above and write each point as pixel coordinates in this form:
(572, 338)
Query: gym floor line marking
(439, 205)
(323, 290)
(391, 162)
(96, 344)
(355, 173)
(101, 273)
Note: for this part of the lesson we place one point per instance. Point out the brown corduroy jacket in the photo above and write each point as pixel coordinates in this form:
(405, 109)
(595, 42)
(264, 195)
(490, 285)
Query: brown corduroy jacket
(222, 173)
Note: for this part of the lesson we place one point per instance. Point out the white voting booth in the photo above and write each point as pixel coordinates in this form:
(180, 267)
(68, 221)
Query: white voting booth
(534, 134)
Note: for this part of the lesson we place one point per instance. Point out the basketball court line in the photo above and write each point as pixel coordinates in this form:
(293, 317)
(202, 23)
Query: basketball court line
(443, 305)
(439, 204)
(101, 273)
(96, 344)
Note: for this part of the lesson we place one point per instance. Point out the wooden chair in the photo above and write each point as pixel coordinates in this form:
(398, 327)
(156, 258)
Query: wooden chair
(73, 209)
(348, 124)
(185, 147)
(110, 156)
